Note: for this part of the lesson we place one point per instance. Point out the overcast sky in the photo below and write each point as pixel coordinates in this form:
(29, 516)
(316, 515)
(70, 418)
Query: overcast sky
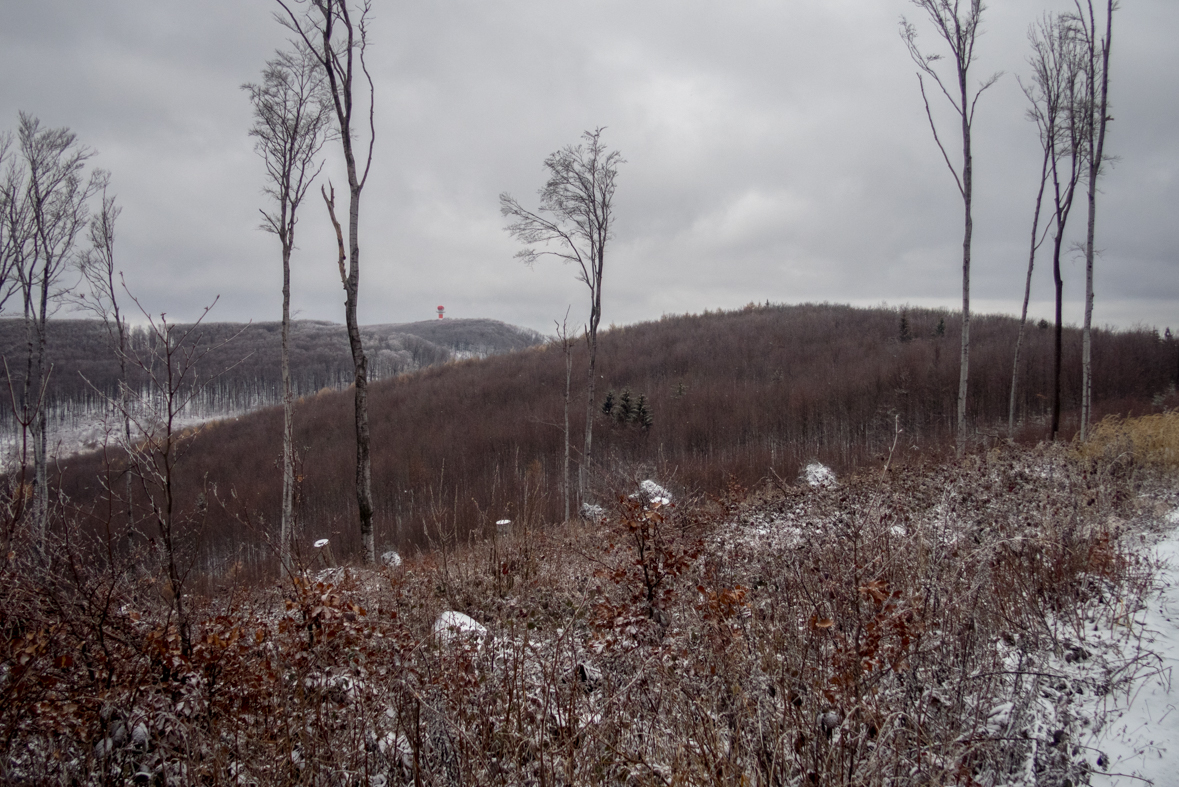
(774, 151)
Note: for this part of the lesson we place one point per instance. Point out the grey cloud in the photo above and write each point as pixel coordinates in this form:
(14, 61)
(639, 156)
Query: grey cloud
(775, 150)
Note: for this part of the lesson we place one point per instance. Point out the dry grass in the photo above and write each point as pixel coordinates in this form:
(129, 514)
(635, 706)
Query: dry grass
(1152, 440)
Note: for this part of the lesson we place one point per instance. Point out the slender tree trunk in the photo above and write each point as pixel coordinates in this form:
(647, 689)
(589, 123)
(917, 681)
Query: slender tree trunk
(364, 473)
(1099, 108)
(125, 409)
(288, 462)
(583, 470)
(40, 457)
(1027, 291)
(568, 385)
(1057, 344)
(967, 183)
(595, 320)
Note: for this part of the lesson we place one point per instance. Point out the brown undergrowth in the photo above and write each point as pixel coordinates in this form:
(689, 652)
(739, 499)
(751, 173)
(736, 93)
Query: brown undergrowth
(859, 633)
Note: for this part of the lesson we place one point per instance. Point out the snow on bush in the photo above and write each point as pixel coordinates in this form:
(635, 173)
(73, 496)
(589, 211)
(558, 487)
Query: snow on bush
(391, 559)
(594, 513)
(818, 475)
(652, 493)
(451, 625)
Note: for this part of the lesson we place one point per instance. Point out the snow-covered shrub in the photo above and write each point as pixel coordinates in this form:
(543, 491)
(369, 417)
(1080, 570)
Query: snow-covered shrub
(816, 474)
(652, 493)
(455, 625)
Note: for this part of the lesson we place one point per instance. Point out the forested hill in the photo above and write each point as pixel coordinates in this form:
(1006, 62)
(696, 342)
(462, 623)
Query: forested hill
(245, 358)
(731, 398)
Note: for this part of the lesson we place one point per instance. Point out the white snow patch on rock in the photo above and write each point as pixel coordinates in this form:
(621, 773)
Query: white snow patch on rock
(451, 625)
(391, 559)
(592, 512)
(817, 474)
(653, 493)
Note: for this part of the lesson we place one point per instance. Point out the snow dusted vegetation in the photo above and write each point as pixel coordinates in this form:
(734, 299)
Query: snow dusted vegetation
(1137, 732)
(817, 474)
(1007, 619)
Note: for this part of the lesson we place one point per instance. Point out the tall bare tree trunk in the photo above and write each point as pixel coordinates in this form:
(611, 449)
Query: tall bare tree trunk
(959, 32)
(1027, 289)
(567, 349)
(288, 419)
(968, 232)
(364, 472)
(1098, 118)
(339, 55)
(578, 195)
(584, 468)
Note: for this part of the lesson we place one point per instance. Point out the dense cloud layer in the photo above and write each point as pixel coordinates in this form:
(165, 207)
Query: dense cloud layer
(774, 151)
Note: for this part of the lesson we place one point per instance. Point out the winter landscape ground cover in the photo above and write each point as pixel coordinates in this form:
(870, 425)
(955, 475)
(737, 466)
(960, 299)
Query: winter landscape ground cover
(993, 621)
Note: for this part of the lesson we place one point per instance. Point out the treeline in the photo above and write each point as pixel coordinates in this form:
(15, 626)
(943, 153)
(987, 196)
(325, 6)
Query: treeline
(237, 366)
(732, 398)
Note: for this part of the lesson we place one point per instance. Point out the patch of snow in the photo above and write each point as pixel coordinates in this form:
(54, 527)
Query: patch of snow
(451, 625)
(592, 512)
(321, 543)
(817, 474)
(652, 493)
(1139, 741)
(391, 559)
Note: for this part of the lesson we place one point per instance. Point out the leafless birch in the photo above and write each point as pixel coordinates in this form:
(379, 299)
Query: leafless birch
(1055, 96)
(336, 32)
(959, 28)
(291, 119)
(45, 202)
(575, 213)
(1097, 47)
(100, 298)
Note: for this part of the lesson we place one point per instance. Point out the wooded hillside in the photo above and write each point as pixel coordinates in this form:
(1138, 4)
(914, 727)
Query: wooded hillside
(244, 359)
(732, 398)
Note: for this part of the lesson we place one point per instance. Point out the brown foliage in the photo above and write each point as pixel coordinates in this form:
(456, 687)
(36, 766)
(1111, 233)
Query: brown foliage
(866, 633)
(735, 396)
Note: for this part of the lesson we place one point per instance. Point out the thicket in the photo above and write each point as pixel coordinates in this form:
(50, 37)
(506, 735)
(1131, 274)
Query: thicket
(737, 396)
(889, 629)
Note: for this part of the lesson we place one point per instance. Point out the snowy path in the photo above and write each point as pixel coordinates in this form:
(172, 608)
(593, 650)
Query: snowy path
(1140, 739)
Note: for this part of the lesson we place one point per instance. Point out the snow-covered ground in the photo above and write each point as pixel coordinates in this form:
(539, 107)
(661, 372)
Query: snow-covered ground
(1138, 743)
(76, 434)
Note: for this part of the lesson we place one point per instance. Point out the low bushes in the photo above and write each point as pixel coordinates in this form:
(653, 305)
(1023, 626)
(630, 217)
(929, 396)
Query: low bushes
(878, 630)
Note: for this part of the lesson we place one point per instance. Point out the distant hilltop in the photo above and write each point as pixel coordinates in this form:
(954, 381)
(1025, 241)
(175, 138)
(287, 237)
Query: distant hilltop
(247, 356)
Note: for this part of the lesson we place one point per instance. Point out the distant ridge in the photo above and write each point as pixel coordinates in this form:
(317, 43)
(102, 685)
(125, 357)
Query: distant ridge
(735, 398)
(83, 359)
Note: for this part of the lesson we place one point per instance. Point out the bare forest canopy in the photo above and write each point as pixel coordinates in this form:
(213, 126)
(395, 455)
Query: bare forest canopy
(243, 360)
(732, 397)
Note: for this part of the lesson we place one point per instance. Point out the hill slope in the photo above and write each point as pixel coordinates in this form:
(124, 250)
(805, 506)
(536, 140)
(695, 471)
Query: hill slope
(735, 397)
(245, 358)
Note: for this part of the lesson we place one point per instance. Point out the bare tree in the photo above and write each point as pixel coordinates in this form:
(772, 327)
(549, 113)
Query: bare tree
(1047, 135)
(169, 361)
(959, 28)
(9, 220)
(567, 350)
(292, 116)
(97, 266)
(1056, 100)
(1097, 46)
(576, 204)
(336, 34)
(45, 198)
